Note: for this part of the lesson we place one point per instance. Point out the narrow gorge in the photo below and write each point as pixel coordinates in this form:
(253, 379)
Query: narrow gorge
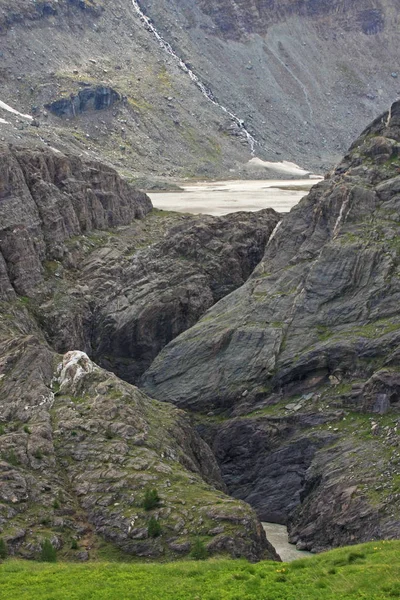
(171, 381)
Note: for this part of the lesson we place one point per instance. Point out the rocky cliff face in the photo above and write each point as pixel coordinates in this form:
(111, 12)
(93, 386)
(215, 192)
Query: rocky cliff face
(47, 198)
(126, 298)
(78, 450)
(86, 267)
(238, 18)
(310, 343)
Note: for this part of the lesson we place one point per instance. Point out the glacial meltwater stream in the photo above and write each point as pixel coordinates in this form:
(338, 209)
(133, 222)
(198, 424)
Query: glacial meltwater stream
(278, 537)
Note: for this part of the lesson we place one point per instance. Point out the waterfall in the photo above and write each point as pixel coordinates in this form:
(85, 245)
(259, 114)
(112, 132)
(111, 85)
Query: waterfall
(207, 93)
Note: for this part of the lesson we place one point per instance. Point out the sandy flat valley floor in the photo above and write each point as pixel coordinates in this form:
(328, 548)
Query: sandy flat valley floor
(223, 197)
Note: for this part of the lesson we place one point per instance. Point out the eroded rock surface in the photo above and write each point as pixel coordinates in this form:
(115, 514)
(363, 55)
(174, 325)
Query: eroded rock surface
(314, 330)
(48, 198)
(83, 266)
(78, 450)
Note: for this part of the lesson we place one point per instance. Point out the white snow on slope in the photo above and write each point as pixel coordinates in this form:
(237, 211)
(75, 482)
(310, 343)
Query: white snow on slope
(15, 112)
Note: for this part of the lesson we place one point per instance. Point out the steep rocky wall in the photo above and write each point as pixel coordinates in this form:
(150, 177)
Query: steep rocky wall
(142, 286)
(312, 335)
(47, 198)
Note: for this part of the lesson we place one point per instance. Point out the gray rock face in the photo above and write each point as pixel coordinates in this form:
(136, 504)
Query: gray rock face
(264, 461)
(128, 298)
(168, 287)
(78, 450)
(47, 198)
(315, 328)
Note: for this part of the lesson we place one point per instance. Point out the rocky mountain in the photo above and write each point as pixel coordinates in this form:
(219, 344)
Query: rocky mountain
(197, 78)
(87, 265)
(294, 376)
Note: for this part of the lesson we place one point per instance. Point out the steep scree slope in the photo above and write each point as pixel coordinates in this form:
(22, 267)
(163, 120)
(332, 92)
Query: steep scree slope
(305, 78)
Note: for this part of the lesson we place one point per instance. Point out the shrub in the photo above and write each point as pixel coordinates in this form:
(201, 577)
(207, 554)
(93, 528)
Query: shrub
(56, 504)
(3, 549)
(199, 551)
(26, 429)
(151, 499)
(11, 458)
(74, 544)
(154, 528)
(48, 553)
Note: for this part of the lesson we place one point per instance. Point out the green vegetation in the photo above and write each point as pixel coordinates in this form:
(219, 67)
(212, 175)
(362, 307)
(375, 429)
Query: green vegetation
(11, 458)
(151, 499)
(154, 528)
(48, 553)
(199, 551)
(3, 549)
(367, 572)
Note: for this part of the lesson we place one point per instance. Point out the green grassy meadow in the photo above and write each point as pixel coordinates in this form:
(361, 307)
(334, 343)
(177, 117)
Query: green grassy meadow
(369, 571)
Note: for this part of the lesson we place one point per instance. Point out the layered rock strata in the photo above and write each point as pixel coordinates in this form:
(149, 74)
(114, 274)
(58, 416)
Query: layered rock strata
(313, 335)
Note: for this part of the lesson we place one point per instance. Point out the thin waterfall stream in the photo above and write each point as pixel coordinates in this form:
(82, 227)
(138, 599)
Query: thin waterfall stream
(207, 93)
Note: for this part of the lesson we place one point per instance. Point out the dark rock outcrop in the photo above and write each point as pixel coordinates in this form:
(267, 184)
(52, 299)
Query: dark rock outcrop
(315, 329)
(236, 18)
(265, 460)
(97, 98)
(18, 11)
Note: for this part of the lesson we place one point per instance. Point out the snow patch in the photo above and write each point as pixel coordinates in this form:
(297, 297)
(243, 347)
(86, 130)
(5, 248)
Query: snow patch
(15, 112)
(284, 166)
(273, 234)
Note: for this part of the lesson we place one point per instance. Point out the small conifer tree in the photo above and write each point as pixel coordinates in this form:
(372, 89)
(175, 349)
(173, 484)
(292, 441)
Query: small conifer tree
(151, 499)
(48, 553)
(154, 528)
(199, 551)
(3, 549)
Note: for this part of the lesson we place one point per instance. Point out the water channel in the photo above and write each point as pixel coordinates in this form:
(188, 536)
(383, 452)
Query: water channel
(220, 198)
(278, 537)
